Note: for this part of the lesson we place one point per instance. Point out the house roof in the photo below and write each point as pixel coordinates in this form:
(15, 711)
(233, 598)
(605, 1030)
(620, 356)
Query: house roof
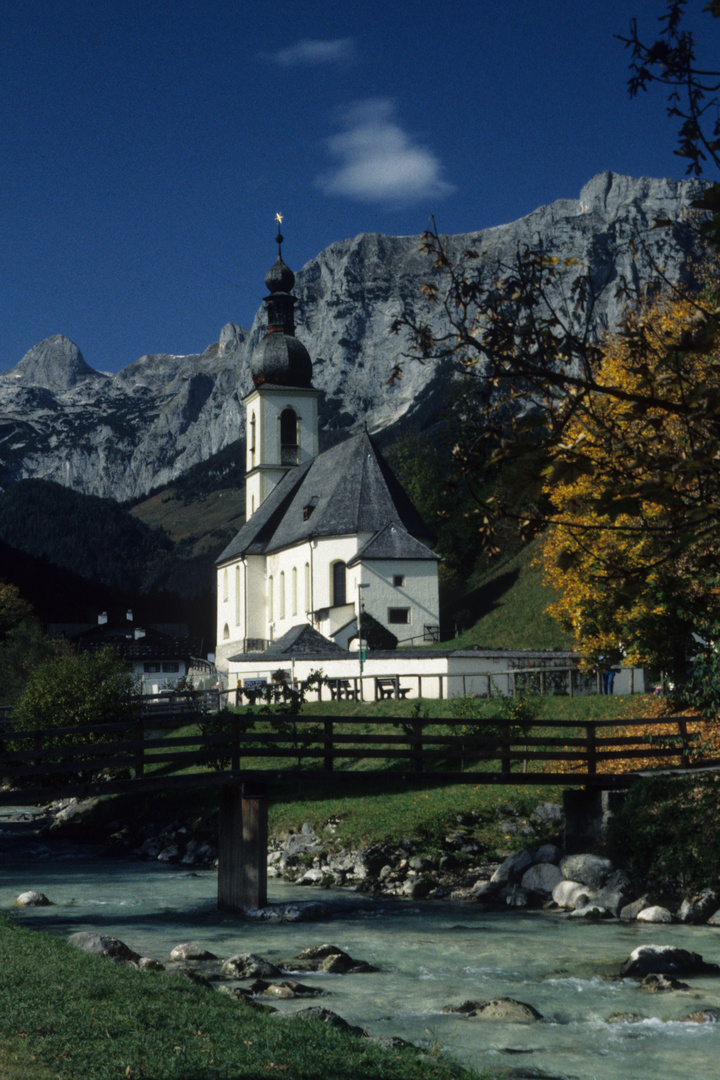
(393, 542)
(137, 643)
(346, 490)
(300, 642)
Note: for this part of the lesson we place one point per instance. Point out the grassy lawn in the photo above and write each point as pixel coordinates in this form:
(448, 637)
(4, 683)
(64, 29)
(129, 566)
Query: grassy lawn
(65, 1014)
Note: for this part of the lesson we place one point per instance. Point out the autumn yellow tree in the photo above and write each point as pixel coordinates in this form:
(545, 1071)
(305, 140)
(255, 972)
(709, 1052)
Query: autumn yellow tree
(634, 488)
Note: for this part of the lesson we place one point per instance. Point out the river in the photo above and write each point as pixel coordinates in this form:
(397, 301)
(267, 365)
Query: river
(430, 954)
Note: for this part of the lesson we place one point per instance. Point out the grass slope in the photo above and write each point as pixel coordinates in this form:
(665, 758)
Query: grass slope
(66, 1015)
(505, 607)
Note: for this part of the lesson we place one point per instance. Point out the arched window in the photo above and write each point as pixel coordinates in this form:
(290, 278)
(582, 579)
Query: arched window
(294, 591)
(238, 584)
(271, 600)
(339, 590)
(282, 594)
(225, 584)
(307, 600)
(226, 632)
(288, 437)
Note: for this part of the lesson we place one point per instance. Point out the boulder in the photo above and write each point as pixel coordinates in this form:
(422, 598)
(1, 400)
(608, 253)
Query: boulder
(190, 950)
(614, 893)
(570, 894)
(32, 899)
(547, 814)
(513, 868)
(655, 914)
(325, 1016)
(658, 984)
(504, 1008)
(666, 960)
(698, 909)
(249, 966)
(147, 963)
(703, 1016)
(326, 958)
(548, 853)
(103, 945)
(541, 878)
(244, 998)
(631, 911)
(591, 910)
(590, 870)
(517, 897)
(286, 989)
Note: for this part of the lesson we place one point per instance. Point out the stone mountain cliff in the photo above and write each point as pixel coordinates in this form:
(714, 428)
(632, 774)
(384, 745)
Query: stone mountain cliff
(121, 435)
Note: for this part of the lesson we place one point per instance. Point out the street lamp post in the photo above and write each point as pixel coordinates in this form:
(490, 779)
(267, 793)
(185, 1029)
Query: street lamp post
(361, 644)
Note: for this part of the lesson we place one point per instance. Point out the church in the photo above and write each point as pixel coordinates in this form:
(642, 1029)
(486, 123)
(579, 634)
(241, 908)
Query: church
(327, 535)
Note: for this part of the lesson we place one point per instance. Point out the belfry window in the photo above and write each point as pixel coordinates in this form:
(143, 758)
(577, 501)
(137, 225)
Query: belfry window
(288, 437)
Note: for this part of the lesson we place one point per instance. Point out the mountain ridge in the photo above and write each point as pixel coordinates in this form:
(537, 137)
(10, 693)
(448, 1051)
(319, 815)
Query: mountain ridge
(122, 435)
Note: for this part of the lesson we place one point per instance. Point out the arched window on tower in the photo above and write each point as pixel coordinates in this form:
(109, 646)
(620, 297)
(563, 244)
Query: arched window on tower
(251, 440)
(339, 589)
(288, 437)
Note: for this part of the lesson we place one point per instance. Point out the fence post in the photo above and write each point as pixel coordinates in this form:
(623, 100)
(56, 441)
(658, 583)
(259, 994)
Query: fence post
(685, 753)
(591, 748)
(570, 683)
(416, 746)
(505, 748)
(140, 747)
(235, 747)
(328, 744)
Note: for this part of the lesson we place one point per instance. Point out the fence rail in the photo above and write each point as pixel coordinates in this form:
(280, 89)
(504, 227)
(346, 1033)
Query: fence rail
(153, 750)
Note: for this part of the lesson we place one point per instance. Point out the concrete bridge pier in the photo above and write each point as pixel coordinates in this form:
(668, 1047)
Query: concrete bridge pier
(242, 846)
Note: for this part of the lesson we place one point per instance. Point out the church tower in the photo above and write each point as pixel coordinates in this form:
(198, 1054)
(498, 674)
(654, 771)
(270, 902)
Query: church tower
(281, 411)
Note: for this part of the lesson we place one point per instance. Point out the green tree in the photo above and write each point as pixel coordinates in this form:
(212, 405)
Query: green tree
(72, 690)
(14, 610)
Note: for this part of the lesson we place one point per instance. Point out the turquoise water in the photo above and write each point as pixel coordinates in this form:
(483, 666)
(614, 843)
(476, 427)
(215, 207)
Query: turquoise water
(429, 954)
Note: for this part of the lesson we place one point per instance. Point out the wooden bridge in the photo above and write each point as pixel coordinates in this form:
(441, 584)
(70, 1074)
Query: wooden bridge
(172, 749)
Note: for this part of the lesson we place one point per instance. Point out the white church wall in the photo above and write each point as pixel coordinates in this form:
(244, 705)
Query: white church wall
(408, 588)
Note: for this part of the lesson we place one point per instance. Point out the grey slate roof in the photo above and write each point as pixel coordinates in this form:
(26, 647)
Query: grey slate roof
(351, 490)
(393, 542)
(300, 642)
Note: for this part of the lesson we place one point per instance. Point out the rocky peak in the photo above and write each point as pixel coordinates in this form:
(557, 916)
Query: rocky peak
(121, 435)
(53, 364)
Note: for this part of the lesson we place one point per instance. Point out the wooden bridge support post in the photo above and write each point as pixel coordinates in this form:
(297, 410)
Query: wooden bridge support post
(242, 847)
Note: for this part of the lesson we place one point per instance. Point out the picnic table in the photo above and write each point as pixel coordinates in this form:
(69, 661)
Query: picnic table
(389, 687)
(342, 690)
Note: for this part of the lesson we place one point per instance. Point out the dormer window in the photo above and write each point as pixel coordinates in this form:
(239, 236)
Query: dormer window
(309, 507)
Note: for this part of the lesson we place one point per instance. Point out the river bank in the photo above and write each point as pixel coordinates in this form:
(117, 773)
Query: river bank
(430, 955)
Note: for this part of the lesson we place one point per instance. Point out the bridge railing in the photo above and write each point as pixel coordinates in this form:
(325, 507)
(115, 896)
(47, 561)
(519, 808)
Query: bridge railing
(156, 749)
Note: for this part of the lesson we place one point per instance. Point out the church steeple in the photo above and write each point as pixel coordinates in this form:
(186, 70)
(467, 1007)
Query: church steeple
(281, 360)
(279, 281)
(282, 409)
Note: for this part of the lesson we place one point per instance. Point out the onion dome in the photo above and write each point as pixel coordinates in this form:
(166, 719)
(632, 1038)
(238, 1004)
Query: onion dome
(281, 359)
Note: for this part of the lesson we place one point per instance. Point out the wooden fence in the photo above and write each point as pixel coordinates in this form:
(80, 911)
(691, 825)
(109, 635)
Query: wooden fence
(155, 752)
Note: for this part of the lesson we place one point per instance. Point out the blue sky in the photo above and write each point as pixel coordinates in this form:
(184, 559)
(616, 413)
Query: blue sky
(147, 146)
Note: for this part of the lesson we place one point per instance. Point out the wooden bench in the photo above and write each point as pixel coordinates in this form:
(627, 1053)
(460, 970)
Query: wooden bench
(341, 690)
(390, 688)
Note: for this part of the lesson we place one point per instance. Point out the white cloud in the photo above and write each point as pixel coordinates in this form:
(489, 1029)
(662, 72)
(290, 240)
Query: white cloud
(309, 51)
(378, 161)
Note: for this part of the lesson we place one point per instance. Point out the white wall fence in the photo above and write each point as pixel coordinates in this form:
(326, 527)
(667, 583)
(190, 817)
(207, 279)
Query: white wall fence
(565, 680)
